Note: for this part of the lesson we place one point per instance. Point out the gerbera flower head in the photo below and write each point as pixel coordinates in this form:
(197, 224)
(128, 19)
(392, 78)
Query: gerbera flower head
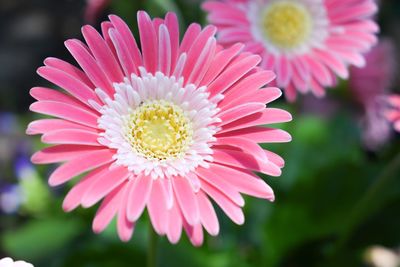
(8, 262)
(393, 111)
(167, 127)
(368, 84)
(306, 42)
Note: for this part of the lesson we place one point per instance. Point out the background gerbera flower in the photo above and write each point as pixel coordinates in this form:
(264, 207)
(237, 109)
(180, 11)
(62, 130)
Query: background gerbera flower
(393, 112)
(306, 42)
(168, 127)
(368, 85)
(8, 262)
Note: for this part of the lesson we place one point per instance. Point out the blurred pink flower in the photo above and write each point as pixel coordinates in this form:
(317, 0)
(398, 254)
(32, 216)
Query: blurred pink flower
(8, 262)
(166, 128)
(368, 85)
(393, 113)
(94, 8)
(306, 42)
(372, 80)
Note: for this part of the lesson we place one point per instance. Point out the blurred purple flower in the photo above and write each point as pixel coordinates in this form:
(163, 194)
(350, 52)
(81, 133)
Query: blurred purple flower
(368, 85)
(10, 198)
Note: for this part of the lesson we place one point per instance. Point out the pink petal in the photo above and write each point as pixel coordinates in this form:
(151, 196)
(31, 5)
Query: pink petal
(244, 181)
(174, 230)
(157, 208)
(60, 153)
(65, 111)
(69, 69)
(71, 137)
(81, 54)
(104, 185)
(74, 197)
(233, 211)
(46, 125)
(108, 208)
(73, 86)
(214, 180)
(124, 227)
(80, 165)
(139, 194)
(148, 41)
(186, 199)
(102, 54)
(268, 116)
(208, 217)
(245, 161)
(259, 134)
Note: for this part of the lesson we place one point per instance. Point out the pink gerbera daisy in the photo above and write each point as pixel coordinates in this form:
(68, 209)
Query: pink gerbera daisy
(393, 113)
(306, 42)
(168, 127)
(368, 85)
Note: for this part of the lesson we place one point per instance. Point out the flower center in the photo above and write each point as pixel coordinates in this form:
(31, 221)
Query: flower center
(160, 130)
(287, 24)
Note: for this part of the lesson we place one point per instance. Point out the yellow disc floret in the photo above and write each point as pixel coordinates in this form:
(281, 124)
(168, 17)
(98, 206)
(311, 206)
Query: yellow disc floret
(286, 24)
(160, 130)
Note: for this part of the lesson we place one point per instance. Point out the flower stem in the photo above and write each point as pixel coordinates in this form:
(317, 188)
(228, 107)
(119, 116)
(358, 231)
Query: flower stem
(152, 249)
(369, 203)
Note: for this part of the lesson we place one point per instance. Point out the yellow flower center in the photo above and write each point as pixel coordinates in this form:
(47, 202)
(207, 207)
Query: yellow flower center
(287, 24)
(160, 130)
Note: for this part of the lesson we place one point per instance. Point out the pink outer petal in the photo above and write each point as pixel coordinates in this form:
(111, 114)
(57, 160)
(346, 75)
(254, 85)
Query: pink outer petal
(127, 38)
(71, 137)
(47, 125)
(214, 180)
(69, 69)
(267, 116)
(220, 61)
(175, 223)
(239, 111)
(171, 21)
(157, 207)
(123, 55)
(232, 74)
(81, 54)
(149, 41)
(260, 134)
(186, 199)
(244, 181)
(104, 185)
(245, 161)
(124, 227)
(73, 86)
(80, 165)
(139, 193)
(195, 233)
(46, 94)
(164, 53)
(65, 111)
(61, 153)
(233, 211)
(102, 54)
(208, 217)
(246, 145)
(74, 197)
(108, 208)
(189, 37)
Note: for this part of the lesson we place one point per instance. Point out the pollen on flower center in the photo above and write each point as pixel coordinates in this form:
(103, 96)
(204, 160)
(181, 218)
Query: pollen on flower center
(160, 130)
(286, 24)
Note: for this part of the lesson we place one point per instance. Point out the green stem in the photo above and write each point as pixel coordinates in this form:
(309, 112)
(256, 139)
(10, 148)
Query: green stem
(369, 202)
(152, 249)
